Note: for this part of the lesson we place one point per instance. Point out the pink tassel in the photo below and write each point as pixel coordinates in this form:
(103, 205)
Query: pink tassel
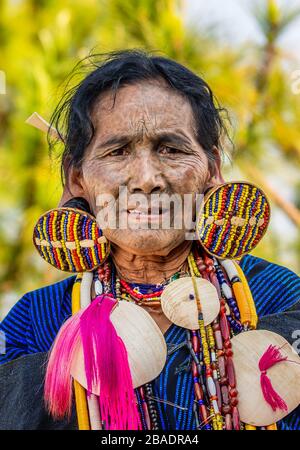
(271, 357)
(58, 381)
(106, 363)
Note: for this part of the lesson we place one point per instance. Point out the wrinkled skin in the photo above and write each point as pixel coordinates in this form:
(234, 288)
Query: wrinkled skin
(145, 164)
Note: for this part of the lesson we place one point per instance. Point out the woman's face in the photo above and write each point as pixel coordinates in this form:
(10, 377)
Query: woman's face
(145, 142)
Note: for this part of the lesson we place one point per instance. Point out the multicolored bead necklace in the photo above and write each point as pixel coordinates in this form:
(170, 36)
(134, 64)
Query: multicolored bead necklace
(212, 365)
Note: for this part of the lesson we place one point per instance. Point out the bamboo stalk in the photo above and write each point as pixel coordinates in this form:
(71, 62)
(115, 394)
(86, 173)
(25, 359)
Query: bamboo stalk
(37, 121)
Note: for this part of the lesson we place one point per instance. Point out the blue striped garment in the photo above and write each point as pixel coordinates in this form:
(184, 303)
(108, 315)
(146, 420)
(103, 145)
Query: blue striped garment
(32, 324)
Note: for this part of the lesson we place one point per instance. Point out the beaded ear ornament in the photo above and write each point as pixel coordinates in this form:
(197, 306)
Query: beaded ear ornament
(233, 219)
(70, 240)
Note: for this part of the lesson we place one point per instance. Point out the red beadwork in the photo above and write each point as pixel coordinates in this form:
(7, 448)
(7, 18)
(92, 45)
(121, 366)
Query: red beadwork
(228, 422)
(195, 344)
(137, 295)
(236, 418)
(230, 372)
(145, 408)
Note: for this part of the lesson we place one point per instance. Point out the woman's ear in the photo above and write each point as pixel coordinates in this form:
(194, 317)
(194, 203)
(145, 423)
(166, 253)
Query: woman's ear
(216, 177)
(73, 185)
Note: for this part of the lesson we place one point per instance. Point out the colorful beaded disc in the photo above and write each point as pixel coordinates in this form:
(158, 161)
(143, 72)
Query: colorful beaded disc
(233, 219)
(70, 240)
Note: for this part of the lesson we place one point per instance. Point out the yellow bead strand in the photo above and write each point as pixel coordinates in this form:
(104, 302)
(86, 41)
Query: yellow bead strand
(80, 393)
(92, 248)
(273, 426)
(55, 239)
(252, 316)
(77, 242)
(63, 244)
(193, 266)
(45, 233)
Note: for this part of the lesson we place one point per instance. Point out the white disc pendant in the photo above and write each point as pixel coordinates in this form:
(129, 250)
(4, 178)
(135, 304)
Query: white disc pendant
(144, 342)
(182, 310)
(248, 348)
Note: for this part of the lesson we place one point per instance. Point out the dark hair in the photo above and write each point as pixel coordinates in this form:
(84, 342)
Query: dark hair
(72, 116)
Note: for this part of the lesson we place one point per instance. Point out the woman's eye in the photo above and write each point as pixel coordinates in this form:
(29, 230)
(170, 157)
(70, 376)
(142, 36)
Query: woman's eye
(166, 150)
(123, 151)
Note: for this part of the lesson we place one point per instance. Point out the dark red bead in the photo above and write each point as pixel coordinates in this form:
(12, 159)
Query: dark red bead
(236, 418)
(228, 352)
(222, 369)
(226, 409)
(203, 412)
(234, 402)
(230, 372)
(227, 344)
(225, 395)
(228, 422)
(223, 381)
(233, 392)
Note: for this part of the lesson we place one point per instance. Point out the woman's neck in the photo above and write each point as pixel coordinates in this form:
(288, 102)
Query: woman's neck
(152, 269)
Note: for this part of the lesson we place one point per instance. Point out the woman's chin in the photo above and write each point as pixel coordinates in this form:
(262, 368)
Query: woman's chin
(145, 242)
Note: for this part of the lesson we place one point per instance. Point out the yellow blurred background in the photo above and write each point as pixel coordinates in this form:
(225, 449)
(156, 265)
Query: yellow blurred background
(257, 80)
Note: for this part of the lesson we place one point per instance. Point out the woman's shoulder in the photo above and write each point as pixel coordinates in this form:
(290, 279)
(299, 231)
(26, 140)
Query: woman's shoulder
(55, 293)
(275, 288)
(51, 300)
(33, 322)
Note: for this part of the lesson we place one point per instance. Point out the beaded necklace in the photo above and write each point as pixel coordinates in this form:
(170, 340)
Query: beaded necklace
(212, 365)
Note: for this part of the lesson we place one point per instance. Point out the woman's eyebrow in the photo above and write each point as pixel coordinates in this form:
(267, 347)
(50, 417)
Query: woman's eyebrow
(173, 137)
(114, 140)
(170, 137)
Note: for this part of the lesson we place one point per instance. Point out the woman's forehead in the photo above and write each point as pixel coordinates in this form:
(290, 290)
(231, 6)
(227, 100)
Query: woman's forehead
(141, 109)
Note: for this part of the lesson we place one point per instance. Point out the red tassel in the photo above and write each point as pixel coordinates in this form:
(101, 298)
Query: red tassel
(271, 357)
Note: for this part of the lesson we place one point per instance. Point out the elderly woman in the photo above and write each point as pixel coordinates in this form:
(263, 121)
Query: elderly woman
(151, 126)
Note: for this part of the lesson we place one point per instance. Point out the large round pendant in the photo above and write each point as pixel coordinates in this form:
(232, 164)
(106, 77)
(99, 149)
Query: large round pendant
(248, 348)
(144, 342)
(233, 219)
(70, 240)
(179, 304)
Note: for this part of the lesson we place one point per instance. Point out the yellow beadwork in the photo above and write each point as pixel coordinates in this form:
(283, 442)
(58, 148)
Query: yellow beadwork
(242, 302)
(214, 418)
(102, 250)
(233, 228)
(63, 244)
(77, 242)
(80, 393)
(46, 234)
(220, 422)
(206, 357)
(247, 216)
(94, 239)
(210, 337)
(42, 247)
(55, 239)
(193, 266)
(251, 309)
(228, 225)
(273, 426)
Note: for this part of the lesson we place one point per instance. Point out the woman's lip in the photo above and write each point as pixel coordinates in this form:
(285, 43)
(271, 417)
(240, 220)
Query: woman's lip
(143, 213)
(145, 216)
(148, 212)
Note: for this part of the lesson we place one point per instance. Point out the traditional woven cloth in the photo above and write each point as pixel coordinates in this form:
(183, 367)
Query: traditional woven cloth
(32, 324)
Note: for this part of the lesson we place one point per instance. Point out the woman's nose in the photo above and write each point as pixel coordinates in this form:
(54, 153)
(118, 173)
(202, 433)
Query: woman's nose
(146, 176)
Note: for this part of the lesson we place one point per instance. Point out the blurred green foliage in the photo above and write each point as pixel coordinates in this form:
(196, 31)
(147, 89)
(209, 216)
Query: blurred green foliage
(42, 40)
